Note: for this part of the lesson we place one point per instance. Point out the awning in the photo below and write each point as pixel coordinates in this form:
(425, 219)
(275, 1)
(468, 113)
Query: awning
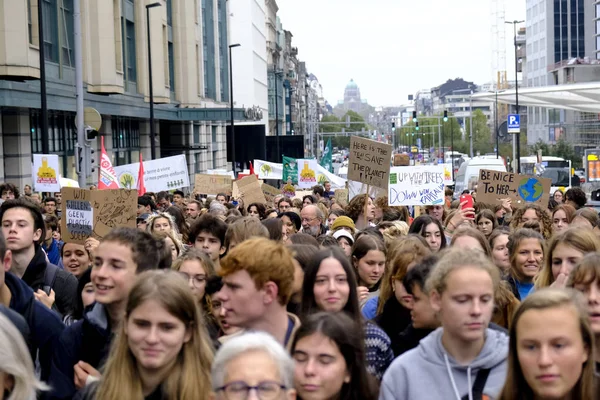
(577, 97)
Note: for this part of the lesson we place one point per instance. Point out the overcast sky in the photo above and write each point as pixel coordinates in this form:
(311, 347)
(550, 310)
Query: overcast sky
(392, 48)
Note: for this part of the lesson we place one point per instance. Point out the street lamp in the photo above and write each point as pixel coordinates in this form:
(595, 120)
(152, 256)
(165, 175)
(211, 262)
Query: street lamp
(151, 91)
(518, 134)
(231, 46)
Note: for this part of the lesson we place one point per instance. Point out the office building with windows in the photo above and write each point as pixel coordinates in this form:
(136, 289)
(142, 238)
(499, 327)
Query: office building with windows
(190, 81)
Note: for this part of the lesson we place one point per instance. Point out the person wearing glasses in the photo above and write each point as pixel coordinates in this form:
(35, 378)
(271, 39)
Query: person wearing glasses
(196, 267)
(253, 366)
(312, 219)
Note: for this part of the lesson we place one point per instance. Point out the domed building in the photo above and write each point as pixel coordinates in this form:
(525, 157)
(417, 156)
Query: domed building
(352, 102)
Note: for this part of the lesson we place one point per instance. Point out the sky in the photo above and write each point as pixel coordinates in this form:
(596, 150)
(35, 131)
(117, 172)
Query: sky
(393, 48)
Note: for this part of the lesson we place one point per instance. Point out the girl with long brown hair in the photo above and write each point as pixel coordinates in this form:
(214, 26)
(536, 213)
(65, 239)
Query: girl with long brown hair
(161, 349)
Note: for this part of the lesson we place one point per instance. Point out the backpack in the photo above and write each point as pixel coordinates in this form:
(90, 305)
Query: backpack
(479, 384)
(49, 277)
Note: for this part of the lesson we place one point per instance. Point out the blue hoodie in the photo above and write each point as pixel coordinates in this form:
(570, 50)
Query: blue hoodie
(45, 325)
(428, 372)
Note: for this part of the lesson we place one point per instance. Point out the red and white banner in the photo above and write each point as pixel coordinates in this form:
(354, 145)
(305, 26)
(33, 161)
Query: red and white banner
(141, 187)
(107, 178)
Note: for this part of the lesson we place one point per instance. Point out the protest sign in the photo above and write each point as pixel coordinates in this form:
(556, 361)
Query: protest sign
(401, 160)
(447, 174)
(369, 162)
(420, 185)
(163, 174)
(290, 170)
(307, 172)
(270, 192)
(212, 184)
(341, 197)
(94, 213)
(250, 190)
(268, 170)
(494, 186)
(45, 173)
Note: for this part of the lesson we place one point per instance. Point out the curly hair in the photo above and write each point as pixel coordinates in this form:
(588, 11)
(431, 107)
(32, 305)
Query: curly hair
(356, 206)
(543, 217)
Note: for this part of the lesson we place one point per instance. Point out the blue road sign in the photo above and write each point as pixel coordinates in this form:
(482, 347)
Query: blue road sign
(514, 123)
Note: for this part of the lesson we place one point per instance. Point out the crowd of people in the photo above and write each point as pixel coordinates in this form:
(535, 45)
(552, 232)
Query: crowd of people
(311, 298)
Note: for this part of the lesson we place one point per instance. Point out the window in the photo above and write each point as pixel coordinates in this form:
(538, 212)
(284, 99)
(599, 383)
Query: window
(29, 24)
(118, 35)
(196, 134)
(67, 32)
(169, 12)
(208, 39)
(198, 68)
(131, 55)
(223, 61)
(125, 140)
(50, 20)
(214, 135)
(62, 136)
(171, 66)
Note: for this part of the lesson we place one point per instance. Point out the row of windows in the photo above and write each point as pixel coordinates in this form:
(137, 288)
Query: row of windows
(59, 37)
(539, 8)
(565, 37)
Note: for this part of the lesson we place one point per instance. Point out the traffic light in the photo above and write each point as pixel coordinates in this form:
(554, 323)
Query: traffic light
(445, 115)
(414, 116)
(393, 126)
(417, 126)
(90, 134)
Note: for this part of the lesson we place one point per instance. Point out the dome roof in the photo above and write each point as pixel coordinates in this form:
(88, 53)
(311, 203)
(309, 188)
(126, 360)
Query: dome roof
(351, 85)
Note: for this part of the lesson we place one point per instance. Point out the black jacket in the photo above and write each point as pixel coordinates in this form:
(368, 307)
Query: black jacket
(65, 285)
(393, 320)
(89, 393)
(45, 326)
(86, 340)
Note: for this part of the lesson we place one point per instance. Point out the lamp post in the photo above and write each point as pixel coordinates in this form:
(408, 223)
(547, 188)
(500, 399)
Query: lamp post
(518, 135)
(150, 89)
(496, 124)
(231, 46)
(43, 99)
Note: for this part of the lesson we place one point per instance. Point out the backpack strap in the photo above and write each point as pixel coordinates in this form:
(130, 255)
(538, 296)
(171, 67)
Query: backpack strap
(480, 380)
(49, 277)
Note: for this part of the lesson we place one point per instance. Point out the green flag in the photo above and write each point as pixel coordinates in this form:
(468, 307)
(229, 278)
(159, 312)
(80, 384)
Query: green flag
(290, 170)
(326, 161)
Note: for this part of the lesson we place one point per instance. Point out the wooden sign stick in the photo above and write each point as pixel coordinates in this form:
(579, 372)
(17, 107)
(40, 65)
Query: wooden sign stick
(366, 207)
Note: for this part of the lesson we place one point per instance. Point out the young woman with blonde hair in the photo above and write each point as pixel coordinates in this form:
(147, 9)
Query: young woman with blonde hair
(526, 254)
(551, 349)
(161, 349)
(562, 254)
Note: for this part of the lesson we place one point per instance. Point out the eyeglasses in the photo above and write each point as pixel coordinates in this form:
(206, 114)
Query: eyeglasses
(197, 280)
(239, 390)
(308, 219)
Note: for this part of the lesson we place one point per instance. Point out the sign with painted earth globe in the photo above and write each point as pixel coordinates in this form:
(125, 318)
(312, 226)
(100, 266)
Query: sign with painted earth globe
(531, 189)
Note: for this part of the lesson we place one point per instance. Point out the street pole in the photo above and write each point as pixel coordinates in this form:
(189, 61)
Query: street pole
(43, 99)
(452, 147)
(496, 123)
(517, 137)
(232, 123)
(81, 175)
(471, 125)
(439, 139)
(150, 88)
(278, 156)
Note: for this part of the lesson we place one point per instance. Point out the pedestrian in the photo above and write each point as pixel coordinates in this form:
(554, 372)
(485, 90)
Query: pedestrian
(161, 348)
(564, 252)
(75, 258)
(499, 244)
(17, 374)
(431, 230)
(244, 229)
(83, 347)
(330, 285)
(463, 350)
(208, 234)
(360, 213)
(532, 212)
(86, 297)
(551, 349)
(368, 259)
(562, 216)
(486, 222)
(253, 362)
(330, 360)
(526, 249)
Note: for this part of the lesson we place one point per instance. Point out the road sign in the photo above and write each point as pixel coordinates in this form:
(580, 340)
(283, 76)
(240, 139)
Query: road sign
(514, 123)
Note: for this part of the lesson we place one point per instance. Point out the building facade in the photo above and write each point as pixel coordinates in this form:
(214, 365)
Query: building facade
(188, 40)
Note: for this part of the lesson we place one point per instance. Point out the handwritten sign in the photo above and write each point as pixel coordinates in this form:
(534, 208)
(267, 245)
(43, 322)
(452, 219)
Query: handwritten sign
(369, 162)
(94, 213)
(401, 160)
(421, 185)
(341, 197)
(270, 192)
(212, 184)
(250, 190)
(494, 186)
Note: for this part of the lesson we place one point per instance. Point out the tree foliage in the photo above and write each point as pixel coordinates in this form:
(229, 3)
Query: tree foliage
(561, 149)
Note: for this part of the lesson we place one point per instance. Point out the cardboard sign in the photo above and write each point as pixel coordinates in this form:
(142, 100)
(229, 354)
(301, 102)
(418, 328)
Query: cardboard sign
(401, 160)
(212, 184)
(341, 197)
(369, 162)
(45, 173)
(420, 185)
(270, 192)
(494, 186)
(250, 190)
(94, 213)
(166, 173)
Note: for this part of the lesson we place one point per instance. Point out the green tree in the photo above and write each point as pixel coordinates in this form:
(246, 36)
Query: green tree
(482, 140)
(325, 127)
(357, 123)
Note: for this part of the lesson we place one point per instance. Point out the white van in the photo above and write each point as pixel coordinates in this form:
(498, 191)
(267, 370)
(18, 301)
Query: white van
(468, 173)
